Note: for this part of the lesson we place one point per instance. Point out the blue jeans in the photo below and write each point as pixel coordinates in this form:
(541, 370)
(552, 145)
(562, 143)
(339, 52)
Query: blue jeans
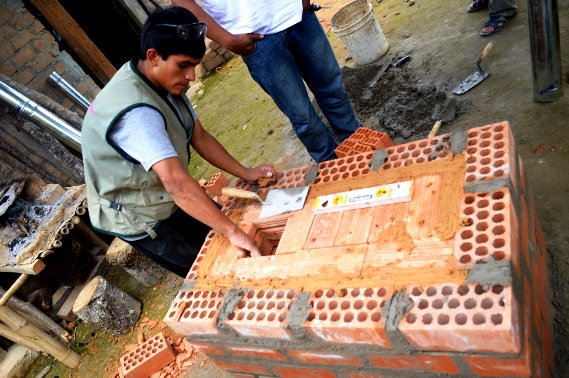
(279, 64)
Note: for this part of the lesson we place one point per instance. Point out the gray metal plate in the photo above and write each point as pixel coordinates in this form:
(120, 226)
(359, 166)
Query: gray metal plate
(470, 82)
(280, 201)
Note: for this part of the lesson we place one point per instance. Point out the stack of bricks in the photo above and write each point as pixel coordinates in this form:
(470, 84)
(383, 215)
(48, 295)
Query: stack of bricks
(452, 282)
(363, 140)
(215, 56)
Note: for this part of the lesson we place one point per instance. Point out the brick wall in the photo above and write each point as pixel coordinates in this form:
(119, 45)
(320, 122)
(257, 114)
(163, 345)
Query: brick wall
(29, 54)
(453, 282)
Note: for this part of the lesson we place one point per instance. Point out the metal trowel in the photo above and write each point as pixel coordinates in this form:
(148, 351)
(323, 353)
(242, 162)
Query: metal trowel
(278, 201)
(478, 76)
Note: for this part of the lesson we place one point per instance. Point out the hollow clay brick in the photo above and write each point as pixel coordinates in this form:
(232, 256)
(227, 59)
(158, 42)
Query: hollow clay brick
(147, 358)
(418, 152)
(342, 150)
(216, 183)
(463, 318)
(193, 272)
(344, 259)
(199, 317)
(342, 168)
(490, 229)
(323, 230)
(262, 314)
(498, 366)
(275, 266)
(491, 154)
(349, 316)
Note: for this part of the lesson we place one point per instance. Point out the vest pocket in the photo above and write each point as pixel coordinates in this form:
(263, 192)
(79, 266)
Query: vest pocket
(155, 195)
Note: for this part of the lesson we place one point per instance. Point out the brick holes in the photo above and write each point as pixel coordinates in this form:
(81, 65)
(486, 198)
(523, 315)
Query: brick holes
(339, 169)
(462, 317)
(199, 312)
(262, 313)
(349, 315)
(488, 219)
(148, 358)
(489, 156)
(418, 152)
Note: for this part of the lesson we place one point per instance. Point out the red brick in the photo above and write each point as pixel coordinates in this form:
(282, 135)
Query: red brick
(350, 166)
(516, 366)
(327, 358)
(491, 229)
(463, 318)
(207, 347)
(199, 317)
(147, 358)
(365, 375)
(216, 183)
(256, 352)
(297, 372)
(349, 316)
(247, 368)
(417, 152)
(434, 363)
(263, 314)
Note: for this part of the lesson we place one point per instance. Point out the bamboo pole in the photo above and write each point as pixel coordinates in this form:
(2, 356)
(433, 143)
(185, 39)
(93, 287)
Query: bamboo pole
(35, 336)
(15, 286)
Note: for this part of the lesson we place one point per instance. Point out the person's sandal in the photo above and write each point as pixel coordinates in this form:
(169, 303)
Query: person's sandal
(497, 23)
(477, 5)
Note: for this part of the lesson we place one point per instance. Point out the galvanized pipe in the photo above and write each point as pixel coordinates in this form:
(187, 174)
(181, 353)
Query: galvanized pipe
(68, 135)
(543, 20)
(60, 82)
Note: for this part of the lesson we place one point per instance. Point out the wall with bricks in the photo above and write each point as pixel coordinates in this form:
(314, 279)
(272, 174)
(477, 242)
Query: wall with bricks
(29, 54)
(452, 282)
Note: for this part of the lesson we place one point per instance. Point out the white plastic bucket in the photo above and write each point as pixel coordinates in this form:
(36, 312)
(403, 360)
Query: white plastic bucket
(357, 28)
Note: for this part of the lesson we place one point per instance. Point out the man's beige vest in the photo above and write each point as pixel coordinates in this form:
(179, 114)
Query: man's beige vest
(125, 200)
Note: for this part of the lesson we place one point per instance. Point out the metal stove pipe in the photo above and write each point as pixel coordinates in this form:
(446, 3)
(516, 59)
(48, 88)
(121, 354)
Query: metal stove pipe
(60, 82)
(63, 131)
(543, 20)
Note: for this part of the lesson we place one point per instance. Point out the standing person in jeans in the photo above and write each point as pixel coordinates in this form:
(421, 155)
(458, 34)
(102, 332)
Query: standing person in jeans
(284, 46)
(135, 142)
(499, 11)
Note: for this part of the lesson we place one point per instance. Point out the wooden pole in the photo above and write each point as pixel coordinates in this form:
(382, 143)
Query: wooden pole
(72, 33)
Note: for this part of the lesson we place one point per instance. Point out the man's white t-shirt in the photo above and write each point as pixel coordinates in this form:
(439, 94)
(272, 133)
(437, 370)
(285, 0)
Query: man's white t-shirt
(260, 16)
(141, 133)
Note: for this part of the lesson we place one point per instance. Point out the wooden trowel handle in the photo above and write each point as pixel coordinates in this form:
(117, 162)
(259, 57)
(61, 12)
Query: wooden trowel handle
(486, 51)
(240, 193)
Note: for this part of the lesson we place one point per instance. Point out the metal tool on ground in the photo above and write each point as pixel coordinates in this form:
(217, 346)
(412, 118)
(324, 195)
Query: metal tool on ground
(478, 76)
(278, 201)
(386, 66)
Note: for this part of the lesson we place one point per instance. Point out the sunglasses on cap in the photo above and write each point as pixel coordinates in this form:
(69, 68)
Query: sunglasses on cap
(189, 32)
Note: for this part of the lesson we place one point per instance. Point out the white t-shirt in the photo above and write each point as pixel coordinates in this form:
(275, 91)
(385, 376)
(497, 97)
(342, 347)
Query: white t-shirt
(142, 134)
(260, 16)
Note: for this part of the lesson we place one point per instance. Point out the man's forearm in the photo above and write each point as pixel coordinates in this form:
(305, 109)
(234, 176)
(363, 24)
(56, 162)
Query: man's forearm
(214, 30)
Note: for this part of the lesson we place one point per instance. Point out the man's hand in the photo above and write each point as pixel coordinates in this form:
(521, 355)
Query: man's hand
(243, 244)
(243, 44)
(262, 171)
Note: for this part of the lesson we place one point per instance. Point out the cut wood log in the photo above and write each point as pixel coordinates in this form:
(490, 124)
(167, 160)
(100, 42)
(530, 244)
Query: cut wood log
(102, 304)
(141, 268)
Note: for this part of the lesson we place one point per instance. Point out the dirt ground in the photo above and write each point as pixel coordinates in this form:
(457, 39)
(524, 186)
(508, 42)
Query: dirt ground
(443, 42)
